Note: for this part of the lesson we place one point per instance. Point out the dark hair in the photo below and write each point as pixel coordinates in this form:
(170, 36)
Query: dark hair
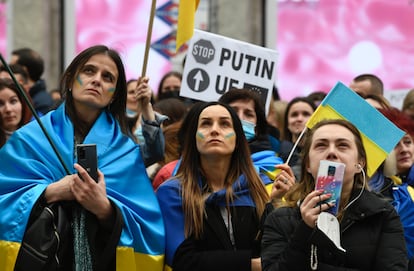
(379, 99)
(286, 134)
(26, 113)
(16, 69)
(175, 109)
(400, 119)
(32, 61)
(131, 81)
(189, 170)
(316, 97)
(168, 74)
(118, 106)
(377, 86)
(243, 94)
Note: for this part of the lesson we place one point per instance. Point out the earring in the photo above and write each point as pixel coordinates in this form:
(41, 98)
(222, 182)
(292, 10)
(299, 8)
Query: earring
(69, 89)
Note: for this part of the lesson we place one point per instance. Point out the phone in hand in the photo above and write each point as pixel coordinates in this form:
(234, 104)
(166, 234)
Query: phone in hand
(88, 159)
(330, 178)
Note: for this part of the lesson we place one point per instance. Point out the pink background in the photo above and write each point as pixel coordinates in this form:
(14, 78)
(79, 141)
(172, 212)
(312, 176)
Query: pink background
(322, 42)
(123, 25)
(3, 33)
(319, 42)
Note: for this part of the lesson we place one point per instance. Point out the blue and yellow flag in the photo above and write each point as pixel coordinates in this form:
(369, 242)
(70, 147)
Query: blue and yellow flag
(379, 135)
(29, 165)
(185, 24)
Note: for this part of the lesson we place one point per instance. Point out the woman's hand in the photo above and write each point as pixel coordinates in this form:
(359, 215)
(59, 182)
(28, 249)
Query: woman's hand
(143, 96)
(256, 264)
(91, 195)
(312, 206)
(284, 180)
(60, 190)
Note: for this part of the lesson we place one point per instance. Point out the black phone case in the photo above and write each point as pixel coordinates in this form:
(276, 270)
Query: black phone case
(88, 159)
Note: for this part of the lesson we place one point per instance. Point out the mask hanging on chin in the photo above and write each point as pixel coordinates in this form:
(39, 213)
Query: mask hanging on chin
(248, 129)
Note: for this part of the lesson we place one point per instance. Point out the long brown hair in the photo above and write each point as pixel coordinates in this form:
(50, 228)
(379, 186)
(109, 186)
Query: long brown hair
(307, 183)
(189, 170)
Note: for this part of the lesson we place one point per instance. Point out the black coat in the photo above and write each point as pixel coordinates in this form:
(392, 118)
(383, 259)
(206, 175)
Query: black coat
(371, 234)
(41, 99)
(214, 250)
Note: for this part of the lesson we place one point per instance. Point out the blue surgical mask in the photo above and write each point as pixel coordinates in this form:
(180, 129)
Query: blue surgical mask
(139, 135)
(130, 113)
(248, 129)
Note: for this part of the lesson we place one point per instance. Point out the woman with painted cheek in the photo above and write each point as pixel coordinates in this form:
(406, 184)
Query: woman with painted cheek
(109, 219)
(14, 112)
(212, 207)
(370, 229)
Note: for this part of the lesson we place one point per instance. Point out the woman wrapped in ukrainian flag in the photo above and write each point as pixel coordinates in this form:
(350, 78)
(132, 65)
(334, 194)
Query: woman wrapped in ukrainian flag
(115, 222)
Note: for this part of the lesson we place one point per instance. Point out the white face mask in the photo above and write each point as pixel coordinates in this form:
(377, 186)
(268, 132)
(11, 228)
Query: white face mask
(248, 129)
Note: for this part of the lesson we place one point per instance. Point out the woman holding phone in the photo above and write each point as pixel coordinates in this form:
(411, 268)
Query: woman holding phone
(369, 228)
(110, 221)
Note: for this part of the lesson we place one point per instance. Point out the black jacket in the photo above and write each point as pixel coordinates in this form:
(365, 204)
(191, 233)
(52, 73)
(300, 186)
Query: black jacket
(371, 234)
(215, 251)
(42, 101)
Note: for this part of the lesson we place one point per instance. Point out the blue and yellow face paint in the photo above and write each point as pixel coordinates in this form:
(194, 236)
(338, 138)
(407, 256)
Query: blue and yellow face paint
(229, 135)
(79, 80)
(199, 135)
(112, 90)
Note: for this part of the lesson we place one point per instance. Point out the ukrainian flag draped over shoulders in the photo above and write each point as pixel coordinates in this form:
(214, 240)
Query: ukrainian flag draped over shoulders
(29, 165)
(379, 135)
(185, 24)
(169, 195)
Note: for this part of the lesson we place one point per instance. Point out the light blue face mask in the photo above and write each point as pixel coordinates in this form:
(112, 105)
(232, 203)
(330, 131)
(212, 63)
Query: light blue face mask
(130, 113)
(139, 135)
(248, 129)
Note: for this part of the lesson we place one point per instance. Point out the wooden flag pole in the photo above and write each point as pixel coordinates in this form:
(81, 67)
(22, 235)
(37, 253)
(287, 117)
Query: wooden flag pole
(148, 41)
(147, 48)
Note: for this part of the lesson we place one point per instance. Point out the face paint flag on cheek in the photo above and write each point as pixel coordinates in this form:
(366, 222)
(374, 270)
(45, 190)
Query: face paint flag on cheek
(79, 80)
(229, 135)
(200, 135)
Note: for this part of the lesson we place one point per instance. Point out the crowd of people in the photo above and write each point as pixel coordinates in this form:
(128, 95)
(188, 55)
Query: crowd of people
(185, 184)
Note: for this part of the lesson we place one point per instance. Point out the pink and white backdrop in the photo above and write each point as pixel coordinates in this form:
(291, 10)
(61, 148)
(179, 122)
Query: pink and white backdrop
(319, 42)
(123, 25)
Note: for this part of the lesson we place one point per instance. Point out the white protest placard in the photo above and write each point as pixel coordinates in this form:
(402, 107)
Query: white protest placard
(215, 64)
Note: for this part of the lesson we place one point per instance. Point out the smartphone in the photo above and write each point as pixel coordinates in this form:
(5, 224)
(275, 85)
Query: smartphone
(330, 178)
(88, 159)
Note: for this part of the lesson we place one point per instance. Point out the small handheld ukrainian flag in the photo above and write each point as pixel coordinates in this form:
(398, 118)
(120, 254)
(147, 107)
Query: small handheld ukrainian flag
(379, 135)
